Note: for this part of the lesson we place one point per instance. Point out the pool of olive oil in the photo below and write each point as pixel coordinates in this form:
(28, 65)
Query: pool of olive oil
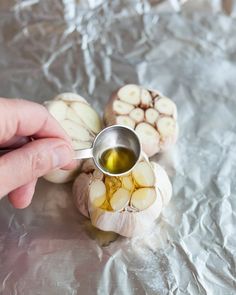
(117, 160)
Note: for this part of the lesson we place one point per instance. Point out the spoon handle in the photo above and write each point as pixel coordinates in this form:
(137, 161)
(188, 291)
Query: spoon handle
(79, 154)
(83, 154)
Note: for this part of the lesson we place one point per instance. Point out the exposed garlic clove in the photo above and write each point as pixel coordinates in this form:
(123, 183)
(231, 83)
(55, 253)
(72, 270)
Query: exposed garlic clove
(137, 115)
(126, 121)
(130, 93)
(57, 109)
(120, 199)
(128, 183)
(151, 116)
(75, 131)
(149, 138)
(146, 98)
(165, 106)
(112, 185)
(122, 108)
(97, 193)
(72, 116)
(87, 115)
(166, 126)
(143, 198)
(143, 174)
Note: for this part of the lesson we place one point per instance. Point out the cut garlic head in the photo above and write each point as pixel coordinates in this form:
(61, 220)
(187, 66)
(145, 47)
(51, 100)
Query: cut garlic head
(127, 205)
(144, 110)
(81, 123)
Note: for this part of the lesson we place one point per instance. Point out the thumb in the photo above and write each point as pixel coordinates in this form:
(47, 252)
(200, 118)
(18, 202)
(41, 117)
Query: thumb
(31, 161)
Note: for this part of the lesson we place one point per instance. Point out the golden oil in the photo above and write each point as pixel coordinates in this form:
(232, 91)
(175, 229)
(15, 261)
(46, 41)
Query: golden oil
(117, 160)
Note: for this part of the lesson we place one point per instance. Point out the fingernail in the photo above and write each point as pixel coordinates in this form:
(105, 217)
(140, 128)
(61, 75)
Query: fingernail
(62, 156)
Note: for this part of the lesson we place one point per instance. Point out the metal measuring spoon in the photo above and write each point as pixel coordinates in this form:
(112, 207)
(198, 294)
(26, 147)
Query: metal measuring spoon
(113, 137)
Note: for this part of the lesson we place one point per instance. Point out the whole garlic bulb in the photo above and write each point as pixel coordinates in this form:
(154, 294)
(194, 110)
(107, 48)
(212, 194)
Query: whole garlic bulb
(127, 205)
(80, 121)
(152, 115)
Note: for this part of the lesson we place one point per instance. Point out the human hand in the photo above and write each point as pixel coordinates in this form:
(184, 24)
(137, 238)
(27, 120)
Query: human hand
(50, 148)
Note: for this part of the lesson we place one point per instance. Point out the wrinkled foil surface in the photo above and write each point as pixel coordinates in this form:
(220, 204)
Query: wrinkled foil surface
(185, 49)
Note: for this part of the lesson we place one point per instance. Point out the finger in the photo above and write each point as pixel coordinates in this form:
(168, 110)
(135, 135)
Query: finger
(22, 196)
(26, 118)
(31, 161)
(15, 142)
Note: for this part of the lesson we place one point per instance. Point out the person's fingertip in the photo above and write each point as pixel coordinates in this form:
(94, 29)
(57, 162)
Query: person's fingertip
(21, 197)
(61, 156)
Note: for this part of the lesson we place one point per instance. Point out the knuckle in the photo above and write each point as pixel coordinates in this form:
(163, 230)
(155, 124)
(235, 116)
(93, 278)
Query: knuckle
(40, 164)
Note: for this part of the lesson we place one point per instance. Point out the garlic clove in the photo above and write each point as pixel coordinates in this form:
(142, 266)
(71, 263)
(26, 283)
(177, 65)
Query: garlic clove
(146, 98)
(137, 115)
(125, 120)
(143, 198)
(87, 115)
(120, 199)
(97, 193)
(57, 109)
(143, 174)
(75, 131)
(130, 94)
(151, 116)
(165, 106)
(149, 138)
(166, 126)
(72, 116)
(122, 108)
(127, 182)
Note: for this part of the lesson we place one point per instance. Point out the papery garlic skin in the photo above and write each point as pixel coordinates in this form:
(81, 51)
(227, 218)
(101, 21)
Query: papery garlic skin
(81, 123)
(152, 115)
(121, 213)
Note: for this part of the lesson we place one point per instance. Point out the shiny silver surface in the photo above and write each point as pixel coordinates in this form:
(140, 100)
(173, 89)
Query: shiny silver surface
(186, 49)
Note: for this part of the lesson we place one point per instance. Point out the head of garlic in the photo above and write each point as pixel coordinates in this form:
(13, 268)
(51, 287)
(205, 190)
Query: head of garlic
(127, 205)
(80, 121)
(152, 115)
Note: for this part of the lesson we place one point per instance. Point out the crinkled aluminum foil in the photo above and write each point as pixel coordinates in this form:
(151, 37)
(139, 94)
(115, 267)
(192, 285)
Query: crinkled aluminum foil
(187, 50)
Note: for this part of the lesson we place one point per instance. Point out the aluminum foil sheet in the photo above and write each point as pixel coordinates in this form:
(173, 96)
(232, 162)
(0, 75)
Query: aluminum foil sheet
(187, 50)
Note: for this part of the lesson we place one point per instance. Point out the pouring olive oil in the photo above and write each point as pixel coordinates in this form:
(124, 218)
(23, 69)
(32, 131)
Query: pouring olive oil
(117, 160)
